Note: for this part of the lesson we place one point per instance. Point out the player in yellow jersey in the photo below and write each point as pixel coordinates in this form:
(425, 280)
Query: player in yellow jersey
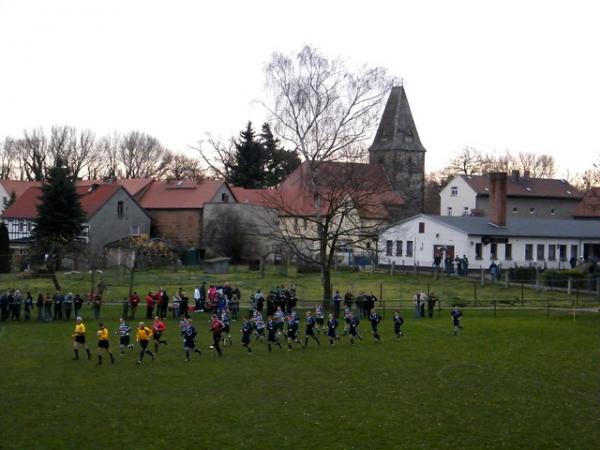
(103, 346)
(79, 338)
(143, 336)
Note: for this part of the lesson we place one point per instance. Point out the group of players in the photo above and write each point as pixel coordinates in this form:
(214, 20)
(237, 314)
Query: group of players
(276, 328)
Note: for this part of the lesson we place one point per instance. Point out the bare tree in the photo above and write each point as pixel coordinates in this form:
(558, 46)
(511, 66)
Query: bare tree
(142, 156)
(8, 157)
(76, 148)
(467, 162)
(218, 155)
(183, 167)
(327, 113)
(33, 154)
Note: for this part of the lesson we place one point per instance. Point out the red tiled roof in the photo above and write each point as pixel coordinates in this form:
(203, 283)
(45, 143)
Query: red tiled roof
(258, 197)
(590, 204)
(133, 186)
(92, 199)
(526, 187)
(17, 186)
(184, 194)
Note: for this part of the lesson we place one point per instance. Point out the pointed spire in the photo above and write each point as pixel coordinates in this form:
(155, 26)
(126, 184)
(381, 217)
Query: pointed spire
(397, 130)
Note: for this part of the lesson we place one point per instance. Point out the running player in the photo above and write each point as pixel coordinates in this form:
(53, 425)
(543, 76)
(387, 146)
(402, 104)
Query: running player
(79, 339)
(246, 332)
(158, 328)
(375, 318)
(124, 338)
(279, 317)
(332, 325)
(310, 329)
(143, 336)
(189, 340)
(347, 318)
(103, 345)
(272, 336)
(292, 331)
(456, 316)
(398, 321)
(226, 326)
(216, 326)
(259, 327)
(353, 328)
(320, 318)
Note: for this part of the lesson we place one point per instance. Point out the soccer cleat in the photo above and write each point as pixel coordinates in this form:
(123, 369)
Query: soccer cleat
(139, 362)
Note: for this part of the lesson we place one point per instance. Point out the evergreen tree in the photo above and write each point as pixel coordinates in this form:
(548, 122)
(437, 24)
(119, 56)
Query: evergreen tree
(10, 200)
(5, 253)
(60, 217)
(280, 162)
(248, 165)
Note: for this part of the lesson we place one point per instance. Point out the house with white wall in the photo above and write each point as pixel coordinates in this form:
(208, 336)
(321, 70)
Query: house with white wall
(526, 197)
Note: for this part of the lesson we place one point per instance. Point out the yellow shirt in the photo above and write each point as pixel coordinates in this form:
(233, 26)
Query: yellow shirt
(103, 334)
(80, 329)
(143, 334)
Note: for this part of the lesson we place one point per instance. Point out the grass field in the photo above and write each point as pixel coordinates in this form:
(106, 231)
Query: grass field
(522, 381)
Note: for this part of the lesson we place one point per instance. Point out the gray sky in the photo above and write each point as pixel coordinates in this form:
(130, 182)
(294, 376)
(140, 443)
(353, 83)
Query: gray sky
(519, 75)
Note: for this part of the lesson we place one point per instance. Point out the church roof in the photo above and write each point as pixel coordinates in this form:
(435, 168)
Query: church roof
(397, 130)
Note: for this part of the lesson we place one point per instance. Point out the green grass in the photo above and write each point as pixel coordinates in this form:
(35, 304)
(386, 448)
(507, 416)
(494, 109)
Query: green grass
(520, 381)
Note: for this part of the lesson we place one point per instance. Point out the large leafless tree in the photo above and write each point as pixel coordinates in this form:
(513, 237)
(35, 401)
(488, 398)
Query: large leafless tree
(326, 112)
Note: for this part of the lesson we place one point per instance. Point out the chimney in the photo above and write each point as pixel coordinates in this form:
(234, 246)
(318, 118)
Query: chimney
(498, 198)
(515, 175)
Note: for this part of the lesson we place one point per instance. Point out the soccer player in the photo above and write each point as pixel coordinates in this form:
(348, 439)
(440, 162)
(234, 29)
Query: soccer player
(292, 331)
(158, 328)
(259, 326)
(320, 318)
(79, 339)
(103, 345)
(272, 337)
(124, 338)
(310, 329)
(456, 316)
(226, 326)
(189, 340)
(246, 333)
(332, 325)
(353, 328)
(398, 321)
(347, 317)
(143, 336)
(279, 317)
(216, 326)
(375, 318)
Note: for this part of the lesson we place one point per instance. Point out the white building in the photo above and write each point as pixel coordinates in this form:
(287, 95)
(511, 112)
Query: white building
(522, 242)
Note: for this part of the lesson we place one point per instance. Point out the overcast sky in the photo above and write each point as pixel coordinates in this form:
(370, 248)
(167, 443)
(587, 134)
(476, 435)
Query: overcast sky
(519, 75)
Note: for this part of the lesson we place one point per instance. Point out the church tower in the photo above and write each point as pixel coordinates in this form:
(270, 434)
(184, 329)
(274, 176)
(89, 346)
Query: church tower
(398, 148)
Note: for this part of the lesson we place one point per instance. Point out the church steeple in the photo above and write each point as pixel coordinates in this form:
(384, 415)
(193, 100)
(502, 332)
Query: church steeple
(398, 148)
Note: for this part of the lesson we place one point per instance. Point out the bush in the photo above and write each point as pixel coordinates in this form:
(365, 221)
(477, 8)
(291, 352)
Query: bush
(522, 274)
(560, 278)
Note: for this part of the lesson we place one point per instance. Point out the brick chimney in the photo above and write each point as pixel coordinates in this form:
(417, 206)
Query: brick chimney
(498, 198)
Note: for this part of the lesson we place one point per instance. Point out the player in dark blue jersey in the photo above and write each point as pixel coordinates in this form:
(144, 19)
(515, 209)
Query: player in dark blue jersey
(332, 325)
(292, 331)
(189, 339)
(353, 328)
(246, 334)
(375, 318)
(456, 316)
(398, 321)
(272, 336)
(310, 323)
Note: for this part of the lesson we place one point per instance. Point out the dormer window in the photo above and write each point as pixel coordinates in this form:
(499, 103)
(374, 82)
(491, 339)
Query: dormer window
(531, 210)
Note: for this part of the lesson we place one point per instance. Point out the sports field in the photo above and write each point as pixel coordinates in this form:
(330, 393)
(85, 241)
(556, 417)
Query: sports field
(520, 381)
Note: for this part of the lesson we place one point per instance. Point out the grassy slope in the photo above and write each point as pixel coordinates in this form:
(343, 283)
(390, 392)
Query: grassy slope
(522, 381)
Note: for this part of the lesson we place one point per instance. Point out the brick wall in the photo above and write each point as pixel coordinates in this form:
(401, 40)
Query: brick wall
(180, 226)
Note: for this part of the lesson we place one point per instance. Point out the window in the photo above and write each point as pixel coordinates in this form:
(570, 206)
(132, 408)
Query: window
(531, 210)
(449, 210)
(21, 225)
(574, 251)
(478, 250)
(454, 191)
(134, 230)
(528, 252)
(515, 210)
(409, 248)
(398, 248)
(296, 229)
(552, 252)
(304, 223)
(553, 211)
(421, 227)
(389, 245)
(466, 211)
(540, 252)
(493, 251)
(508, 252)
(120, 209)
(368, 246)
(225, 197)
(563, 252)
